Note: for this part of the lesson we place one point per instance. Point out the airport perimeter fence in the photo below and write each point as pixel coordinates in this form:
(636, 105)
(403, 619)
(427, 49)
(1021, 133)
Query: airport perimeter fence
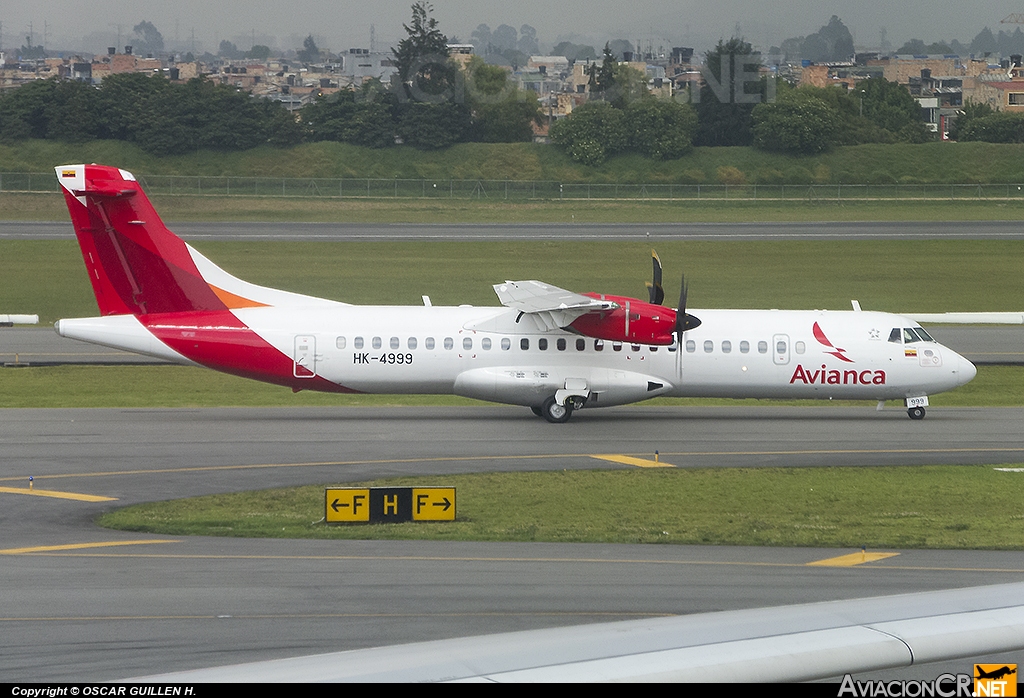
(539, 190)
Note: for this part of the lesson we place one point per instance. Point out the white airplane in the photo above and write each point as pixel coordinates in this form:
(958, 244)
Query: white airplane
(549, 349)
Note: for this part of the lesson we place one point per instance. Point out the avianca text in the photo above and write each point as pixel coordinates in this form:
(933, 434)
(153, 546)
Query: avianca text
(824, 376)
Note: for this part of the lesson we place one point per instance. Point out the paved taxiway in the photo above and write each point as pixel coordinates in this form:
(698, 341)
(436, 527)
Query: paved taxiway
(92, 610)
(857, 230)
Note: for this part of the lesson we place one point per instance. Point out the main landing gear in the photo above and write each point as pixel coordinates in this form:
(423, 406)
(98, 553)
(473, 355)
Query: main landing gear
(916, 412)
(557, 413)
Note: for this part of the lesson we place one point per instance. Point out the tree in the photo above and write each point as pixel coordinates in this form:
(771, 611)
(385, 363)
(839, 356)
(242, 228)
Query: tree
(422, 58)
(799, 123)
(363, 118)
(146, 38)
(433, 126)
(309, 53)
(258, 52)
(659, 129)
(971, 110)
(602, 79)
(891, 107)
(228, 50)
(502, 113)
(732, 88)
(481, 39)
(528, 40)
(591, 133)
(574, 52)
(999, 127)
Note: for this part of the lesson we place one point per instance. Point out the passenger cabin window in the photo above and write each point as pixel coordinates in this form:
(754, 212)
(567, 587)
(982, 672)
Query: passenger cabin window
(762, 347)
(412, 342)
(375, 342)
(467, 342)
(542, 344)
(726, 346)
(560, 344)
(800, 347)
(780, 347)
(691, 346)
(524, 344)
(616, 346)
(598, 345)
(709, 346)
(449, 343)
(634, 347)
(395, 343)
(341, 342)
(358, 342)
(506, 343)
(744, 347)
(428, 343)
(485, 343)
(581, 344)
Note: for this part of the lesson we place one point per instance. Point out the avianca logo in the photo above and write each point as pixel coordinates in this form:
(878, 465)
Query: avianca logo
(823, 340)
(823, 376)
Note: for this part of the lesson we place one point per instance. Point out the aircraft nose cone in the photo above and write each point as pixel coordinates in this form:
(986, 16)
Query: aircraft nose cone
(967, 371)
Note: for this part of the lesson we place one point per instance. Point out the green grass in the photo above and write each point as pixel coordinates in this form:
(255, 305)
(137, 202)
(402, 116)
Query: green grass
(184, 386)
(949, 507)
(50, 207)
(875, 164)
(48, 278)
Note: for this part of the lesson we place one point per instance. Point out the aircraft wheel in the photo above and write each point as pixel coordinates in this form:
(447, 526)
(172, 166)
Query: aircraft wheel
(537, 410)
(555, 413)
(916, 412)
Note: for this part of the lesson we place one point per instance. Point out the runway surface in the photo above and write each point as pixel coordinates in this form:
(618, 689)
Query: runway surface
(857, 230)
(87, 604)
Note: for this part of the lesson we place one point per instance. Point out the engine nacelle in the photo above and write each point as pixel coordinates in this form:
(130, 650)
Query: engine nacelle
(634, 321)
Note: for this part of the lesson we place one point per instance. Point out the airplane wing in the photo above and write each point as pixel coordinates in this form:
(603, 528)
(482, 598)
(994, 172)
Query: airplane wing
(787, 643)
(554, 307)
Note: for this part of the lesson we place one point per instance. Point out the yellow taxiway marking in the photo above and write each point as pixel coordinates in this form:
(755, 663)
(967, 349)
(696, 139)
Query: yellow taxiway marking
(58, 495)
(80, 546)
(632, 460)
(851, 560)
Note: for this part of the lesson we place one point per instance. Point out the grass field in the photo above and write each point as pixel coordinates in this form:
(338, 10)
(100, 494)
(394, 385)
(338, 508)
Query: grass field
(48, 277)
(50, 207)
(899, 507)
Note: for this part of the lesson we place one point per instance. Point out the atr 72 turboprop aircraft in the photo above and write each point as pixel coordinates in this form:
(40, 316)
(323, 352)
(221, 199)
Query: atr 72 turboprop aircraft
(549, 349)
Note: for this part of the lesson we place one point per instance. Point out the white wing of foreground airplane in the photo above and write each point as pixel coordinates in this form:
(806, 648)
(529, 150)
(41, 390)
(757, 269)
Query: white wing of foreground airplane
(549, 349)
(786, 643)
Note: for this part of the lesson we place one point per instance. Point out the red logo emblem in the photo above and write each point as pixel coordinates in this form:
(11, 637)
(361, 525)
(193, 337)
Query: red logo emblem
(836, 351)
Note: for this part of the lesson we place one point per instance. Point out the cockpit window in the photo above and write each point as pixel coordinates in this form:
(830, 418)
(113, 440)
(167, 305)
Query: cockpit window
(896, 336)
(916, 334)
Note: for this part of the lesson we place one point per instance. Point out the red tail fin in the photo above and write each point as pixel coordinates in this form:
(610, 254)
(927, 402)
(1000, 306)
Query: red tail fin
(136, 265)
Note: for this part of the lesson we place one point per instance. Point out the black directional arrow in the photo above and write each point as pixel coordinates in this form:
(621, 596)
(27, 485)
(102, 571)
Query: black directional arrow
(446, 504)
(337, 503)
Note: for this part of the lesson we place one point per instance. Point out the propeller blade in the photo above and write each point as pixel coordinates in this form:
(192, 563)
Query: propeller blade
(684, 321)
(654, 290)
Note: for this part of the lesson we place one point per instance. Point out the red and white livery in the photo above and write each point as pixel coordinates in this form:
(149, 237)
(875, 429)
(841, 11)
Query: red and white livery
(552, 350)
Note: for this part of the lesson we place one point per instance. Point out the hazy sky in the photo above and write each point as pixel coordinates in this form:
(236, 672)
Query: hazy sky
(341, 24)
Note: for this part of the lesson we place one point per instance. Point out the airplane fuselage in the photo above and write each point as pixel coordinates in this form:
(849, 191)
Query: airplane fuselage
(483, 352)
